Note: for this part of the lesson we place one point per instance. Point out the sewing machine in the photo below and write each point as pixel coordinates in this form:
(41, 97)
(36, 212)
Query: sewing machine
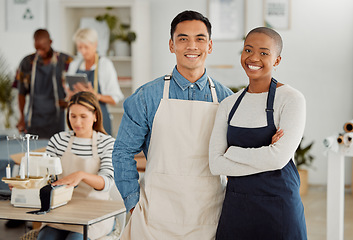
(42, 167)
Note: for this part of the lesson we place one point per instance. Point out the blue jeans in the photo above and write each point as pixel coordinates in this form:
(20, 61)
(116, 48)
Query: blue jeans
(58, 234)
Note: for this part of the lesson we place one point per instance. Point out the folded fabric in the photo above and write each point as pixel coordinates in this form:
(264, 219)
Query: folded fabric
(45, 194)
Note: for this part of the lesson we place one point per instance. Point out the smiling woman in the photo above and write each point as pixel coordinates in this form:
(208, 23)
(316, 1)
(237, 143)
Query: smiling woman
(255, 135)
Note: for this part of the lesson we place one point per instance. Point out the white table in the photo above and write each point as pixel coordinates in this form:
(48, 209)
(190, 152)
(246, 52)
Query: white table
(84, 212)
(335, 192)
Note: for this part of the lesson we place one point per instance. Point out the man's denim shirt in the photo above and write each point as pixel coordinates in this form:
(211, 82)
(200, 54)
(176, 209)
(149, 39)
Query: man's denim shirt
(136, 125)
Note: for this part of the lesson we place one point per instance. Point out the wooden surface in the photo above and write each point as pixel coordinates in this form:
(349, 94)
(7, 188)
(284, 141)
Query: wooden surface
(78, 211)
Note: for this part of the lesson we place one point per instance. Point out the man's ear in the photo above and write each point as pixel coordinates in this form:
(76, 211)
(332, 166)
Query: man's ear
(210, 46)
(171, 46)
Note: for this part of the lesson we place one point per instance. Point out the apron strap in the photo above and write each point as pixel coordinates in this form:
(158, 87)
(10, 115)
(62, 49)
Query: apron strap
(235, 106)
(71, 140)
(269, 106)
(94, 145)
(33, 78)
(96, 74)
(168, 77)
(213, 90)
(270, 101)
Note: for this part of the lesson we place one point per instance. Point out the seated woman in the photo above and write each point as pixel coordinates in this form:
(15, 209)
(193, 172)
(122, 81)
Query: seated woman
(100, 73)
(85, 154)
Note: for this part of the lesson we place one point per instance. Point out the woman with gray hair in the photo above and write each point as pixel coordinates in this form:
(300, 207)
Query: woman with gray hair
(101, 74)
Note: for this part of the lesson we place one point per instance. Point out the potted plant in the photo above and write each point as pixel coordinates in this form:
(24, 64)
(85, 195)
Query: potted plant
(120, 34)
(302, 157)
(6, 96)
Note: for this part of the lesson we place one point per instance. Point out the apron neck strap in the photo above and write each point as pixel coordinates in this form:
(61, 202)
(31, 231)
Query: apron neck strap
(168, 77)
(213, 90)
(270, 101)
(94, 143)
(95, 83)
(269, 106)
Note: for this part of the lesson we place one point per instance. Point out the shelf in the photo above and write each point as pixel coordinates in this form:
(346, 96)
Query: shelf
(125, 83)
(116, 109)
(120, 58)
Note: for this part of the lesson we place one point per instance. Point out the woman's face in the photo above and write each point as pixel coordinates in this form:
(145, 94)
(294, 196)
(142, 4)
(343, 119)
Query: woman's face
(87, 50)
(259, 56)
(81, 120)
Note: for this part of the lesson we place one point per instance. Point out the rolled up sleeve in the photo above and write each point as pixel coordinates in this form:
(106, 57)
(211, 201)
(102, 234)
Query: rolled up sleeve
(129, 142)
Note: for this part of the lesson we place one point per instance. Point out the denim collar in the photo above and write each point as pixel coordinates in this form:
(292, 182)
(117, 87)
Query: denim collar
(183, 83)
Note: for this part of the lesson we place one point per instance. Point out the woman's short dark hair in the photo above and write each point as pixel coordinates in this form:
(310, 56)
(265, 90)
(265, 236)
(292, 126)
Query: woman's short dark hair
(189, 15)
(272, 34)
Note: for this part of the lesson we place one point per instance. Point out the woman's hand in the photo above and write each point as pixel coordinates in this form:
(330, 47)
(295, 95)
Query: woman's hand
(277, 136)
(70, 180)
(83, 87)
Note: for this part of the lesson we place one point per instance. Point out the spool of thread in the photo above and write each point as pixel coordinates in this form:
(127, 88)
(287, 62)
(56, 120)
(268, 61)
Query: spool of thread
(347, 139)
(328, 142)
(340, 139)
(8, 171)
(331, 143)
(348, 126)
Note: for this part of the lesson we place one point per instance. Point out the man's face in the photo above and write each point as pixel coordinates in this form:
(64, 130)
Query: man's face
(191, 45)
(42, 45)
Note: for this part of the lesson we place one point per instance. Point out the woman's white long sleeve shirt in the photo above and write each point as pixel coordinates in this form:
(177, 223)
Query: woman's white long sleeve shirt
(289, 115)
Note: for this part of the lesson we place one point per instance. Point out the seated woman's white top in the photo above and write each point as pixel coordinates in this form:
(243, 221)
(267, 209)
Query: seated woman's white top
(82, 147)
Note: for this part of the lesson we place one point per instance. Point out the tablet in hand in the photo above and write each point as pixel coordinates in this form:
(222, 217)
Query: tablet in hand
(76, 78)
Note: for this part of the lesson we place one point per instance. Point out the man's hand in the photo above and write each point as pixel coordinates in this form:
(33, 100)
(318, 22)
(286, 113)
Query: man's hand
(21, 125)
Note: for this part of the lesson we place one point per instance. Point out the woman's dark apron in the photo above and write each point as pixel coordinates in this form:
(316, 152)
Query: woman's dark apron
(106, 116)
(265, 205)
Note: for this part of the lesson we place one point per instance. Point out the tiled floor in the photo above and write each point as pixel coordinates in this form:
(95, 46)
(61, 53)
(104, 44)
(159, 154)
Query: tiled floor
(315, 212)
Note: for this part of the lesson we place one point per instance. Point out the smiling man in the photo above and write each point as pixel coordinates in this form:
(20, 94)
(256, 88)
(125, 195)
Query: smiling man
(170, 119)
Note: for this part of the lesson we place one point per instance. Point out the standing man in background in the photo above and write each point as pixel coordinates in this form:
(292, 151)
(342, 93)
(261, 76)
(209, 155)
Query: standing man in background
(41, 75)
(170, 119)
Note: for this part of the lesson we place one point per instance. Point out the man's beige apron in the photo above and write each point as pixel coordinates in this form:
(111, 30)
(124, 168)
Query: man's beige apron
(72, 163)
(179, 197)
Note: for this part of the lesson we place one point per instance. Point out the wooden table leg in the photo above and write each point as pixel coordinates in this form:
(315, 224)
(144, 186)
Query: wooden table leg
(85, 232)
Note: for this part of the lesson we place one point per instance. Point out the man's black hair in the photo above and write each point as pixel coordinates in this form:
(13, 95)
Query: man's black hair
(41, 33)
(189, 15)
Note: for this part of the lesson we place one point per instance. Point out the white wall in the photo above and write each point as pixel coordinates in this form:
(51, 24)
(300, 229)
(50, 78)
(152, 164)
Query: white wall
(316, 59)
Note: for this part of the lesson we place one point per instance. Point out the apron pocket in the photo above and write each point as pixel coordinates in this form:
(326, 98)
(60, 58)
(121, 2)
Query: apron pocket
(184, 200)
(251, 217)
